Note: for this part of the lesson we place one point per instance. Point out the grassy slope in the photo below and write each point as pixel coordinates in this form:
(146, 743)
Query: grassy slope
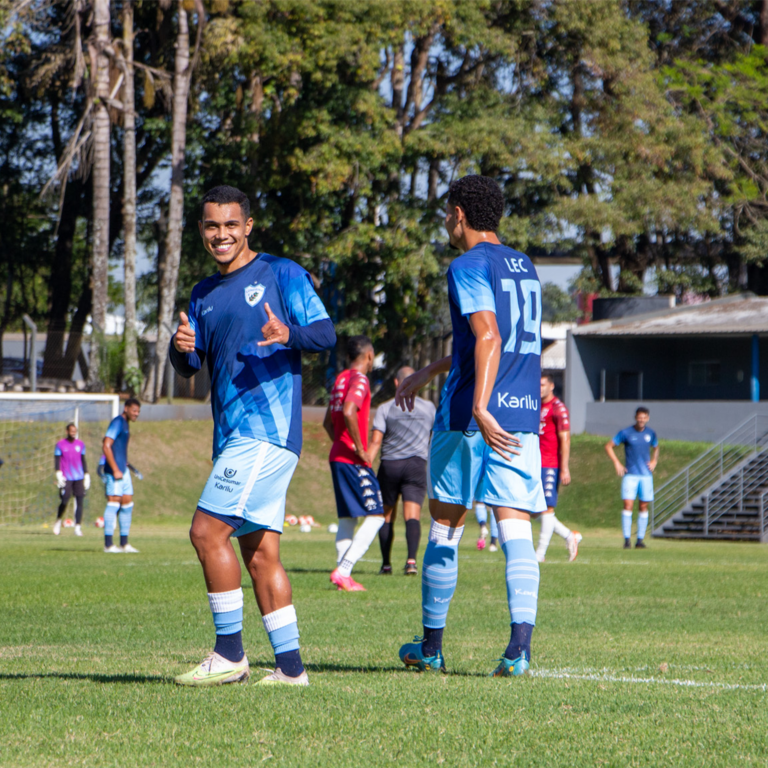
(175, 460)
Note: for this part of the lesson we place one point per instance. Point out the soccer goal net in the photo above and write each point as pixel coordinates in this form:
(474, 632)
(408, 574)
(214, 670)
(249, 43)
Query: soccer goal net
(30, 427)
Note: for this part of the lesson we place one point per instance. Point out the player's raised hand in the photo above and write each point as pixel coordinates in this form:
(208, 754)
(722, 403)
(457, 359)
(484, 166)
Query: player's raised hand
(274, 331)
(184, 338)
(409, 386)
(501, 441)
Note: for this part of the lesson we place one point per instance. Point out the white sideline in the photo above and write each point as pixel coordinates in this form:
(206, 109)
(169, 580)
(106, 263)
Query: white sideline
(557, 675)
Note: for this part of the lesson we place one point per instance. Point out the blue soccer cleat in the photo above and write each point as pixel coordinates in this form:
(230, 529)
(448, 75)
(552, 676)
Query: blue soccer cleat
(512, 667)
(412, 657)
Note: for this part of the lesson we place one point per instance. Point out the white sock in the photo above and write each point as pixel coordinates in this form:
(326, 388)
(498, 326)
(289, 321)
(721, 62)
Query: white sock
(560, 529)
(626, 523)
(359, 546)
(344, 536)
(547, 529)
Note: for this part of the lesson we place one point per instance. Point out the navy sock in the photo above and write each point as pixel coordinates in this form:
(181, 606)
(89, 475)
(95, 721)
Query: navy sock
(412, 537)
(433, 641)
(289, 663)
(386, 536)
(107, 541)
(519, 641)
(230, 646)
(123, 540)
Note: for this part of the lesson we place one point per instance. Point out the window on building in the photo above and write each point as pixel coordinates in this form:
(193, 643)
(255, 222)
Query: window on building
(704, 373)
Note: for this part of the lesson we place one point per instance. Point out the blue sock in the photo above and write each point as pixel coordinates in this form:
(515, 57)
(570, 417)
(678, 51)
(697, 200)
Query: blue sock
(227, 610)
(439, 574)
(110, 515)
(626, 523)
(481, 514)
(516, 540)
(519, 641)
(494, 527)
(642, 525)
(433, 641)
(126, 513)
(283, 630)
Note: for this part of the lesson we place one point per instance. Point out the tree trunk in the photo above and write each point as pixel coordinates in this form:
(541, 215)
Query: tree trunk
(60, 289)
(100, 174)
(129, 192)
(169, 278)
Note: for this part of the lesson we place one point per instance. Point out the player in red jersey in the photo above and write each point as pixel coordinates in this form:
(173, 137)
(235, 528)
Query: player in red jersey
(555, 445)
(354, 481)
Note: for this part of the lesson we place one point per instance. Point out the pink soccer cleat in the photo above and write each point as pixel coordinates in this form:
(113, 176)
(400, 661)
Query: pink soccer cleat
(345, 583)
(572, 542)
(481, 544)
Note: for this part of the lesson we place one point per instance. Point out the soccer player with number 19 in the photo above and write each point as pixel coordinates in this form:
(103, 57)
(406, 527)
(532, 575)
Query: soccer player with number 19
(249, 321)
(485, 442)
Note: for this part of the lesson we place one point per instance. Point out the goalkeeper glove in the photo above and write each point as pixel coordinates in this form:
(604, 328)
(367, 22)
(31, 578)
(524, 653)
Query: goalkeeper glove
(61, 481)
(86, 482)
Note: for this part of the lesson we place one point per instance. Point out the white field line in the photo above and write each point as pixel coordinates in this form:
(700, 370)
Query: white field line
(607, 678)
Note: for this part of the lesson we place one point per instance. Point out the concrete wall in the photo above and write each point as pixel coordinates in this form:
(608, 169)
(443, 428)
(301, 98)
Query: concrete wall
(700, 421)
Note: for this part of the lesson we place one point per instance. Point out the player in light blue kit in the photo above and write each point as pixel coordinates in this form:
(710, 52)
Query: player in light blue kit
(249, 322)
(637, 475)
(117, 478)
(485, 441)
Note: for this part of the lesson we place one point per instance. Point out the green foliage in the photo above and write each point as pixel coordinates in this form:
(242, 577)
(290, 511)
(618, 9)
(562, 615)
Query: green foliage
(557, 306)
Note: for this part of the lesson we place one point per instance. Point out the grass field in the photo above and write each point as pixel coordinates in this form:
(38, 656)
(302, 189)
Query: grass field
(641, 658)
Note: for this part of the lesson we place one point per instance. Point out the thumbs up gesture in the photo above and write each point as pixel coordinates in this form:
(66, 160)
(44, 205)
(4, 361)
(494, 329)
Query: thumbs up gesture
(274, 331)
(184, 338)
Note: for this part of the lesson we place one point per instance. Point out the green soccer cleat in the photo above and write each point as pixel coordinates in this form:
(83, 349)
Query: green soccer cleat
(216, 670)
(278, 677)
(512, 667)
(412, 657)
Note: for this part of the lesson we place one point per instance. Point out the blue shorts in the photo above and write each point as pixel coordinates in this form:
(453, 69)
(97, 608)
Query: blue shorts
(634, 485)
(248, 484)
(123, 487)
(463, 468)
(357, 490)
(550, 479)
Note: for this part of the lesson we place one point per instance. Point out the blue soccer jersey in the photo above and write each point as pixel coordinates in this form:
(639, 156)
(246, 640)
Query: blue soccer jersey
(637, 449)
(255, 391)
(503, 281)
(119, 432)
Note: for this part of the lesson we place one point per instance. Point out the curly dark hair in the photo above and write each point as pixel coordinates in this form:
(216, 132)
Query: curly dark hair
(356, 346)
(223, 195)
(481, 200)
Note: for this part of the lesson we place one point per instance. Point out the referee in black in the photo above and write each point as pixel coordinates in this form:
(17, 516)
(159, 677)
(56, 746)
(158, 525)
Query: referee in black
(403, 437)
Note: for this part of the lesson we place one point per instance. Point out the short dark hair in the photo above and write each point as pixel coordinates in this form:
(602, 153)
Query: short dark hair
(131, 401)
(71, 424)
(643, 409)
(357, 345)
(224, 195)
(549, 377)
(481, 200)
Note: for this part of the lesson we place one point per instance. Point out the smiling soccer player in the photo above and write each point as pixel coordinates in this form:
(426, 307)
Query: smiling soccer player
(249, 322)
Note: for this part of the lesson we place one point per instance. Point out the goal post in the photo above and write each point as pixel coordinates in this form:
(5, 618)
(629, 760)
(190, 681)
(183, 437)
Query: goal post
(30, 426)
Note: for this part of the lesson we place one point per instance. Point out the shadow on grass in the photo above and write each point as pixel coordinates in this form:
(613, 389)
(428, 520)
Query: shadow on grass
(94, 678)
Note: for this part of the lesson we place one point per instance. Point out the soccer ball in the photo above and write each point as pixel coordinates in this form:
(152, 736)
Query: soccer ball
(306, 528)
(291, 520)
(333, 528)
(68, 523)
(99, 522)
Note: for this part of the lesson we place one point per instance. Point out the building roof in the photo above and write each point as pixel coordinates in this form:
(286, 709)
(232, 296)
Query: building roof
(553, 357)
(742, 314)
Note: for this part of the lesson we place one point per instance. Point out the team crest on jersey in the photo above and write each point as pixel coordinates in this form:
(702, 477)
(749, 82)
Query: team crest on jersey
(229, 473)
(254, 294)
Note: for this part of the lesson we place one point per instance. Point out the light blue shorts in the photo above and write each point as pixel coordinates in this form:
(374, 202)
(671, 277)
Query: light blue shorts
(249, 480)
(123, 487)
(632, 485)
(463, 469)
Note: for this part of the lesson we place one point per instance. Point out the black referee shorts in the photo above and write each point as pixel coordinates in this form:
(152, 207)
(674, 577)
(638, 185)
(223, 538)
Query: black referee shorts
(403, 477)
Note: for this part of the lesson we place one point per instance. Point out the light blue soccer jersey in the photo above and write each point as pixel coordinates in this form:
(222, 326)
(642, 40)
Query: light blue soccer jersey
(503, 281)
(255, 391)
(119, 431)
(637, 449)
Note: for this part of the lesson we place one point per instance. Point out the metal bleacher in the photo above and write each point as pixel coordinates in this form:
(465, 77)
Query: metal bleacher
(722, 494)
